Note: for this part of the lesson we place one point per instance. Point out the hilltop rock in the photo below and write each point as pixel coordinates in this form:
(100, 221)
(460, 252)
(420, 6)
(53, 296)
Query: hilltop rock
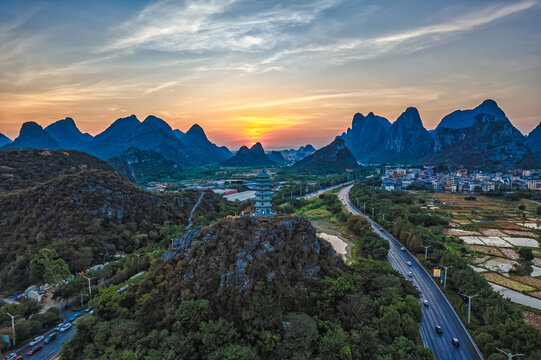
(534, 142)
(244, 252)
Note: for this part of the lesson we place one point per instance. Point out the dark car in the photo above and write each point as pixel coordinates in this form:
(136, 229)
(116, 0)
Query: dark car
(455, 342)
(439, 330)
(34, 350)
(51, 338)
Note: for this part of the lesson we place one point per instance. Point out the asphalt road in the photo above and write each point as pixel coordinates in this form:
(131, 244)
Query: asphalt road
(49, 351)
(321, 191)
(439, 312)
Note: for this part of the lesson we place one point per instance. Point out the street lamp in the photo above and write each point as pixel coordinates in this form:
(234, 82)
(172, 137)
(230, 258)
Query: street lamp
(509, 355)
(89, 286)
(445, 277)
(426, 250)
(13, 325)
(372, 213)
(469, 305)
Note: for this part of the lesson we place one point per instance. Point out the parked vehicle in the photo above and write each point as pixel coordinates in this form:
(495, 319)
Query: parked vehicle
(89, 309)
(50, 338)
(57, 328)
(34, 350)
(11, 356)
(36, 340)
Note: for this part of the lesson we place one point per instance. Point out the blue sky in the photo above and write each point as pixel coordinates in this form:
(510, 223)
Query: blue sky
(284, 73)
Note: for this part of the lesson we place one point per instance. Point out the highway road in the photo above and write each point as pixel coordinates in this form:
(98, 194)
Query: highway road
(439, 312)
(49, 351)
(321, 191)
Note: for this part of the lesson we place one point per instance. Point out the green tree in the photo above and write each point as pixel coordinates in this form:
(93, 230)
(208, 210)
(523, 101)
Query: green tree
(48, 266)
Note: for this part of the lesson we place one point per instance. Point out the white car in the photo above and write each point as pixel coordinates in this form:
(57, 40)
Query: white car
(403, 248)
(65, 328)
(36, 341)
(425, 302)
(11, 356)
(409, 263)
(410, 274)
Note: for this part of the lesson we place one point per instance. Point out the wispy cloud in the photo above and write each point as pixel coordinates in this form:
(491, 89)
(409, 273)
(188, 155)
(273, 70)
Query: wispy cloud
(200, 26)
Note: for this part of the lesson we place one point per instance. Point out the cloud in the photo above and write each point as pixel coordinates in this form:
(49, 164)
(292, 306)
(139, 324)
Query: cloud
(202, 26)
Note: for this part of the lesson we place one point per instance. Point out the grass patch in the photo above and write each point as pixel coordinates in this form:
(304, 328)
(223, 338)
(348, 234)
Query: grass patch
(507, 282)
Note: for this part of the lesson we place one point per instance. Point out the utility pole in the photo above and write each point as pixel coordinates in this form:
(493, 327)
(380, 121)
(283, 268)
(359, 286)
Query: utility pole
(445, 277)
(13, 325)
(469, 305)
(364, 208)
(89, 286)
(426, 250)
(509, 355)
(372, 213)
(383, 217)
(82, 298)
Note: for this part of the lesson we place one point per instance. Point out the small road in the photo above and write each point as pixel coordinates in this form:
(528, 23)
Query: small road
(439, 312)
(49, 351)
(321, 191)
(190, 220)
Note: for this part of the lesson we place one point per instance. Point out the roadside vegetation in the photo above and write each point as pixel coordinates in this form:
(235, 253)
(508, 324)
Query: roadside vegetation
(498, 323)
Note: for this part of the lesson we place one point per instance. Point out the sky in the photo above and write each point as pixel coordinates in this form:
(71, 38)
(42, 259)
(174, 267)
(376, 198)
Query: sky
(285, 73)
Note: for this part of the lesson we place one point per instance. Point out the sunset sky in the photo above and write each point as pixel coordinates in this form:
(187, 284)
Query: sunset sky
(285, 73)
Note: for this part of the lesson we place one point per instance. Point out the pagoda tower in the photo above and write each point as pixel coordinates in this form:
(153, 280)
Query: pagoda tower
(263, 195)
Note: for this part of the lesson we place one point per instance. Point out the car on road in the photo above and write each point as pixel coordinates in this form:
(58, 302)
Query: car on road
(89, 309)
(74, 316)
(11, 356)
(409, 263)
(34, 350)
(403, 248)
(455, 342)
(36, 341)
(425, 302)
(58, 326)
(410, 274)
(380, 228)
(65, 327)
(439, 330)
(50, 338)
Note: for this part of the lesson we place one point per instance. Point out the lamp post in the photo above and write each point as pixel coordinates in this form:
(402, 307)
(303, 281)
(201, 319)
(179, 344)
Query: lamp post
(364, 208)
(13, 325)
(372, 213)
(469, 305)
(445, 276)
(509, 355)
(426, 250)
(89, 286)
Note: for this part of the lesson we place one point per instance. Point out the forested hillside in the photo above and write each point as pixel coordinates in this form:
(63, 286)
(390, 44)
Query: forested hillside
(250, 288)
(61, 208)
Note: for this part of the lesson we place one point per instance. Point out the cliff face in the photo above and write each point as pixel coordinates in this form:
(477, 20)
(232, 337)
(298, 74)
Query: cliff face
(335, 157)
(366, 135)
(247, 252)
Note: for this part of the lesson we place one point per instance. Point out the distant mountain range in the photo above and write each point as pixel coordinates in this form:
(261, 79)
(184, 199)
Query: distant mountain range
(480, 138)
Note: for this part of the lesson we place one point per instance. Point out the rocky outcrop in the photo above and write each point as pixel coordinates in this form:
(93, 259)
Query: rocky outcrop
(138, 165)
(4, 140)
(240, 253)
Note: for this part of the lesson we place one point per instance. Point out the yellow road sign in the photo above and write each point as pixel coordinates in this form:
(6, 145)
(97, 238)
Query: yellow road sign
(437, 272)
